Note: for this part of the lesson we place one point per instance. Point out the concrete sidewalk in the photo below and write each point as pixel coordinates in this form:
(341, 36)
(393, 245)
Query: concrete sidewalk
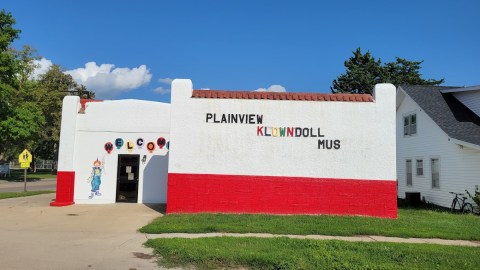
(365, 238)
(35, 235)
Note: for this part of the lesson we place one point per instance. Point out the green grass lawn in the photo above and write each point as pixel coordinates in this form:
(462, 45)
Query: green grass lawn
(410, 223)
(7, 195)
(284, 253)
(17, 175)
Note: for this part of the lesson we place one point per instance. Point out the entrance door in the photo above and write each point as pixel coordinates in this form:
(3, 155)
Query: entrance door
(127, 178)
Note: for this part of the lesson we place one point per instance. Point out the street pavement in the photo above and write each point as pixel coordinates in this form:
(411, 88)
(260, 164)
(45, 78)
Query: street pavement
(44, 184)
(35, 235)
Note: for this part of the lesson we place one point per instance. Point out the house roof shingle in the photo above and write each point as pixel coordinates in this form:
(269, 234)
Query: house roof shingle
(452, 116)
(281, 96)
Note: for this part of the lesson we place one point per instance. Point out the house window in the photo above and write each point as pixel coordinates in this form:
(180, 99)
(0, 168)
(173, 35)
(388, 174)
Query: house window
(409, 172)
(435, 172)
(419, 167)
(410, 125)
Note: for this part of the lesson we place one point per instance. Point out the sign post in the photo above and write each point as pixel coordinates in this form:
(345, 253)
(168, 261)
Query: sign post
(24, 159)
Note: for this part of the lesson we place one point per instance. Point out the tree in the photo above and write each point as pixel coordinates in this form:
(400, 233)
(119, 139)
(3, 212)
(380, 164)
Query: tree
(25, 65)
(7, 35)
(30, 109)
(7, 73)
(49, 92)
(364, 71)
(403, 71)
(22, 128)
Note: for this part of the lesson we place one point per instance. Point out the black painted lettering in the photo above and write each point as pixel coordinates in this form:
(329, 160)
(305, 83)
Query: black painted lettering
(209, 116)
(321, 144)
(251, 119)
(234, 118)
(336, 144)
(320, 134)
(224, 119)
(259, 118)
(242, 117)
(298, 132)
(329, 144)
(305, 132)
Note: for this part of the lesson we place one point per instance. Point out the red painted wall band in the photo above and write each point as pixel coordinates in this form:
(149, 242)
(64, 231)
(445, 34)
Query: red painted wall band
(65, 189)
(194, 193)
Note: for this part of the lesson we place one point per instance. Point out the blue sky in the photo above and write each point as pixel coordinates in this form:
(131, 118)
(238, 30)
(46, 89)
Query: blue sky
(244, 45)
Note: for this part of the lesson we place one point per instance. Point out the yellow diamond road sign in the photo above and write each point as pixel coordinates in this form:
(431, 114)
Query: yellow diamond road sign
(25, 165)
(25, 157)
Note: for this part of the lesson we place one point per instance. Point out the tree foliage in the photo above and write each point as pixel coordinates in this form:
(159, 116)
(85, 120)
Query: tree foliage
(49, 92)
(30, 108)
(22, 128)
(363, 71)
(7, 59)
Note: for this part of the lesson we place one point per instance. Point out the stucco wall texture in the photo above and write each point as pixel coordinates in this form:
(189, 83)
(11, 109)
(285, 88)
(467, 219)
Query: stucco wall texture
(82, 141)
(341, 162)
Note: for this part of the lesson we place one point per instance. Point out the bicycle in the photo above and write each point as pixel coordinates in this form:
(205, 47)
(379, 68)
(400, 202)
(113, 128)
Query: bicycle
(459, 200)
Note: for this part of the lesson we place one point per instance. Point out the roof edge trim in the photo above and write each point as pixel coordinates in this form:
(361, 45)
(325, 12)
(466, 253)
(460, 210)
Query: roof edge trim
(463, 143)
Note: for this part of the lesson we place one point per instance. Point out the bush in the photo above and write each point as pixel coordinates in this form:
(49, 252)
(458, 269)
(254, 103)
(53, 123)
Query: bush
(476, 196)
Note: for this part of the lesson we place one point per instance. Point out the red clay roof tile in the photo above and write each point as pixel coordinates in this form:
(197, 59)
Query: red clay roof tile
(281, 96)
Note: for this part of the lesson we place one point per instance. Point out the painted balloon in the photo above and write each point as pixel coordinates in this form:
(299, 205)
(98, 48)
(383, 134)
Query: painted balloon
(140, 143)
(150, 147)
(130, 146)
(108, 147)
(161, 142)
(119, 143)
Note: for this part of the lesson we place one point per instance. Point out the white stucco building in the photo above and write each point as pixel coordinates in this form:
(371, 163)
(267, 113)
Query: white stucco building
(234, 152)
(288, 153)
(113, 151)
(438, 141)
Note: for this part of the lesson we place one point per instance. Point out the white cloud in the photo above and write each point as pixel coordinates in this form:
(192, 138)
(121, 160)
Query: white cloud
(166, 80)
(272, 88)
(162, 91)
(42, 66)
(107, 81)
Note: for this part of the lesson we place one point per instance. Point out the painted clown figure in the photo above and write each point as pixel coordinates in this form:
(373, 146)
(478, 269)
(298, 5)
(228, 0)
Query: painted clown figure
(95, 178)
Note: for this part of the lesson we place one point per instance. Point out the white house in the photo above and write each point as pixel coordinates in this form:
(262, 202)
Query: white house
(438, 141)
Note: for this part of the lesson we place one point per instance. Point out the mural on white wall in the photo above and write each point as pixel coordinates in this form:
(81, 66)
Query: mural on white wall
(119, 145)
(95, 178)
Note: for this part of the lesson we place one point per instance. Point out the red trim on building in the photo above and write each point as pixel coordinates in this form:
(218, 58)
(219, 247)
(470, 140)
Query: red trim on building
(195, 193)
(281, 96)
(84, 101)
(65, 188)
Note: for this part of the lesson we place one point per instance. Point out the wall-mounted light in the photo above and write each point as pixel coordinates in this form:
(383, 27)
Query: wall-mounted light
(144, 159)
